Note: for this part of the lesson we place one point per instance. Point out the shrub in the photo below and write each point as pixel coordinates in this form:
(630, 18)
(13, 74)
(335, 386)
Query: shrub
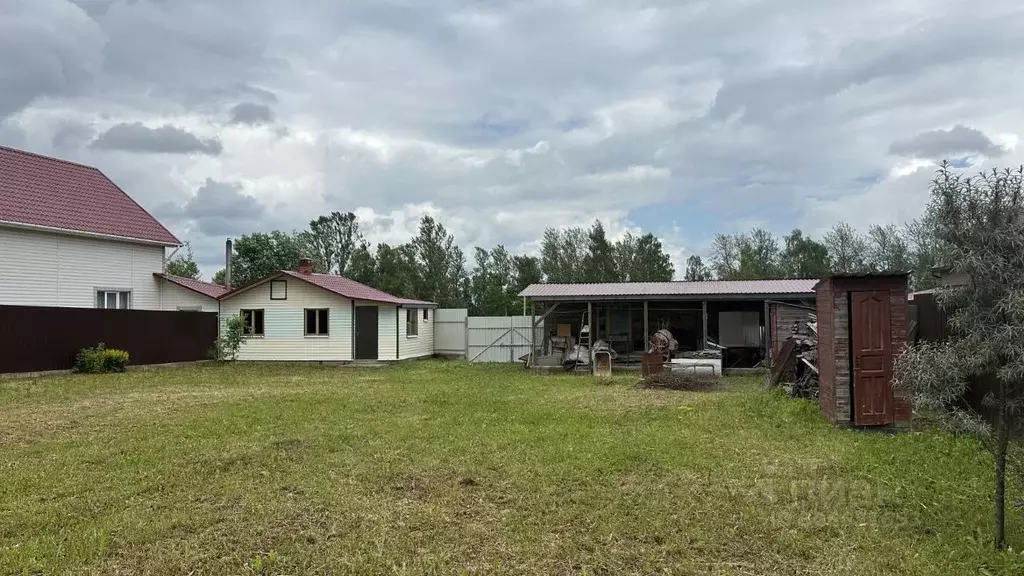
(231, 339)
(100, 360)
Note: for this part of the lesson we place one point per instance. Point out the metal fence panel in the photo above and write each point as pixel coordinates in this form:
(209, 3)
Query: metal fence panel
(450, 332)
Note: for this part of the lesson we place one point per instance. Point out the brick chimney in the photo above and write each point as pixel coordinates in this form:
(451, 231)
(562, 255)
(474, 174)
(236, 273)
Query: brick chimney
(305, 266)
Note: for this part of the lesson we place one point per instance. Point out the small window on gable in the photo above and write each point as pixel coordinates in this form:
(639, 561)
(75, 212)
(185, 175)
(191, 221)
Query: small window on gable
(317, 322)
(278, 289)
(426, 312)
(253, 320)
(412, 325)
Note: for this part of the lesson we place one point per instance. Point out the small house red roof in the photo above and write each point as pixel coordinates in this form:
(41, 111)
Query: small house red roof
(205, 288)
(341, 286)
(51, 193)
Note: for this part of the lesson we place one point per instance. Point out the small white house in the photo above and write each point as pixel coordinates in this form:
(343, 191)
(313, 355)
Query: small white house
(70, 237)
(304, 316)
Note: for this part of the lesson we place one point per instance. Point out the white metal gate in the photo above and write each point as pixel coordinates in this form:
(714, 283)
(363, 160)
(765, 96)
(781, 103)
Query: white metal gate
(483, 338)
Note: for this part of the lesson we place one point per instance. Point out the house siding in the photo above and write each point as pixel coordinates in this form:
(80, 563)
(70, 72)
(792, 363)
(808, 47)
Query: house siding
(387, 330)
(47, 269)
(422, 345)
(284, 324)
(174, 297)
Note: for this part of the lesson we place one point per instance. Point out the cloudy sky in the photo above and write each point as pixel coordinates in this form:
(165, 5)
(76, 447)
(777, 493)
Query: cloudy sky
(502, 118)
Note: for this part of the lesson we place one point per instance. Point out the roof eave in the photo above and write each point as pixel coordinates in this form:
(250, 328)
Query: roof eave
(167, 278)
(86, 234)
(673, 297)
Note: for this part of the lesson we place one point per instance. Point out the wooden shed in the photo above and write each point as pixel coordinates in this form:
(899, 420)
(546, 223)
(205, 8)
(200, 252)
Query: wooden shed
(862, 326)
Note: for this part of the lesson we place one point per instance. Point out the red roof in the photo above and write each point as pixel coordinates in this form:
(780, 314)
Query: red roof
(669, 290)
(42, 191)
(204, 288)
(341, 286)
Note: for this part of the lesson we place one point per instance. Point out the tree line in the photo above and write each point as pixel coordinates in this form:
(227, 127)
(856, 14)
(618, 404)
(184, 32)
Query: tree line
(431, 266)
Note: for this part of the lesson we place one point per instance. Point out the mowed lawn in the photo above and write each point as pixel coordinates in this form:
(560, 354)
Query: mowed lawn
(447, 468)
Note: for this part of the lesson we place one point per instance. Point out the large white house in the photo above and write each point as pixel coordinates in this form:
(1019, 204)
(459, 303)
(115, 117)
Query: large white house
(303, 316)
(71, 237)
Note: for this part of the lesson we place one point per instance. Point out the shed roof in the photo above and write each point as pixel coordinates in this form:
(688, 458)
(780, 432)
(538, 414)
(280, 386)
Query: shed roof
(341, 286)
(205, 288)
(717, 289)
(43, 192)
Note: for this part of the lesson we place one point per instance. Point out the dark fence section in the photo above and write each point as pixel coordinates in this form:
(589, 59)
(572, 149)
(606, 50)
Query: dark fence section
(36, 338)
(932, 325)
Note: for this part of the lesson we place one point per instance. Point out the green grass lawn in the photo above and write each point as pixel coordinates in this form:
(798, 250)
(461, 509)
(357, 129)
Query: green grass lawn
(447, 468)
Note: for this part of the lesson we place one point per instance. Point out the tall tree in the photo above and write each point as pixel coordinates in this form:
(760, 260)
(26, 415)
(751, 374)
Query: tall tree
(599, 265)
(925, 253)
(332, 239)
(183, 264)
(980, 224)
(650, 261)
(564, 254)
(395, 272)
(362, 267)
(847, 250)
(492, 289)
(260, 254)
(696, 270)
(218, 277)
(725, 256)
(442, 274)
(888, 249)
(525, 271)
(759, 255)
(802, 257)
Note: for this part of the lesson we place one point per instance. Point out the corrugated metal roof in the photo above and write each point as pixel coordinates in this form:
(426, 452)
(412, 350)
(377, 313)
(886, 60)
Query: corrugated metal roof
(794, 287)
(205, 288)
(42, 191)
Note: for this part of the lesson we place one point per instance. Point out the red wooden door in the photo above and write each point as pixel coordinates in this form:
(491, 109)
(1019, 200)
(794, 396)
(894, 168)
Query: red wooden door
(872, 358)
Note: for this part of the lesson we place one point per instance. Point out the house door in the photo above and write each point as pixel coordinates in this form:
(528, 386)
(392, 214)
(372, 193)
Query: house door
(871, 348)
(366, 332)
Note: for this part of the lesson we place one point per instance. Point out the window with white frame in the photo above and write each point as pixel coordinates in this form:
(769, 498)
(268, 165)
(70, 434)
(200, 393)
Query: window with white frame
(317, 322)
(114, 299)
(412, 324)
(253, 322)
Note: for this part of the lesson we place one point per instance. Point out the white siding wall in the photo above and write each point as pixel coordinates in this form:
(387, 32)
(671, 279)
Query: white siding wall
(422, 345)
(46, 269)
(174, 297)
(284, 324)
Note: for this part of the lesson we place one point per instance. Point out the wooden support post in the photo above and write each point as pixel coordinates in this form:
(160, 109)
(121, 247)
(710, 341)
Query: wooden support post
(704, 313)
(766, 337)
(533, 333)
(647, 329)
(590, 317)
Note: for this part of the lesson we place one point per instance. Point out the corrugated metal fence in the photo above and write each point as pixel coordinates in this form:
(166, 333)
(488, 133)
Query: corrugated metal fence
(483, 338)
(37, 338)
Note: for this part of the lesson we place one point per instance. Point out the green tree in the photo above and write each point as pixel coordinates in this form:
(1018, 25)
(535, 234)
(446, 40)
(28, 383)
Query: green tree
(650, 261)
(332, 240)
(218, 277)
(725, 256)
(599, 264)
(183, 264)
(441, 266)
(847, 250)
(802, 257)
(924, 253)
(260, 254)
(696, 270)
(526, 271)
(563, 255)
(759, 255)
(979, 222)
(888, 250)
(492, 289)
(363, 264)
(395, 271)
